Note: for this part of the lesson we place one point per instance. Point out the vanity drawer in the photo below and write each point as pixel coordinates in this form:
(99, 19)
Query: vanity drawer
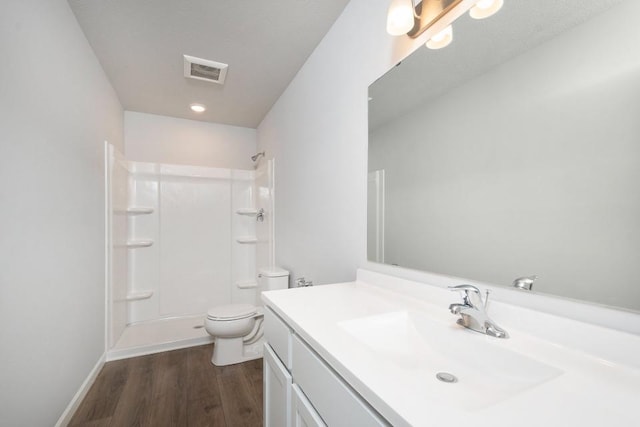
(278, 335)
(336, 402)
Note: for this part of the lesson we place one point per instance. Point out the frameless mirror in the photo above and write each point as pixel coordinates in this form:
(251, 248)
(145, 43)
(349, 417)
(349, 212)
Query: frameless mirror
(515, 151)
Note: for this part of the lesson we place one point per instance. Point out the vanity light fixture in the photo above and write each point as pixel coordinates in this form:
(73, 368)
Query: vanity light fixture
(442, 39)
(400, 17)
(485, 8)
(405, 18)
(198, 108)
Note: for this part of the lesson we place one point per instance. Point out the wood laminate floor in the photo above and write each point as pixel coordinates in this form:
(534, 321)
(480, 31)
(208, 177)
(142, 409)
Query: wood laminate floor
(175, 388)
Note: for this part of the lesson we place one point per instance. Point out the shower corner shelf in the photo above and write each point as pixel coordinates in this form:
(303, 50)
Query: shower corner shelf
(135, 296)
(133, 210)
(139, 210)
(132, 244)
(249, 284)
(247, 211)
(247, 239)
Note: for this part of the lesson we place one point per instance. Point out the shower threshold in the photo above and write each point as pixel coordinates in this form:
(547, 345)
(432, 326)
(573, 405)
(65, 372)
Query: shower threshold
(160, 335)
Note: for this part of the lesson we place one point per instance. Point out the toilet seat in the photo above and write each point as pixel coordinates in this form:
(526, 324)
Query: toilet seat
(232, 312)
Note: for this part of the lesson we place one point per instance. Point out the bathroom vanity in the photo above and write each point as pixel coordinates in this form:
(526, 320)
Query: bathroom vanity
(370, 353)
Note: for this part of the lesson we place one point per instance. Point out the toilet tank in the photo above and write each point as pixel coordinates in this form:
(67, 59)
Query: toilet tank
(273, 278)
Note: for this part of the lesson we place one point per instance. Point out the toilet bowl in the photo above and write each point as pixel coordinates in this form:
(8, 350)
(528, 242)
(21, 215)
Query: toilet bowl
(237, 328)
(234, 327)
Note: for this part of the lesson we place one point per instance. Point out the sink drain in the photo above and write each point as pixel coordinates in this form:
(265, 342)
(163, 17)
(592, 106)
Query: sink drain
(446, 377)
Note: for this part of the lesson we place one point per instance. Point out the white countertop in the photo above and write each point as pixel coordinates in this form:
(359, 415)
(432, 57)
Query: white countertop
(583, 390)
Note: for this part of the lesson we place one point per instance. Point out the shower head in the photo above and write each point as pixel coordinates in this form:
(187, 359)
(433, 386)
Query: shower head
(257, 156)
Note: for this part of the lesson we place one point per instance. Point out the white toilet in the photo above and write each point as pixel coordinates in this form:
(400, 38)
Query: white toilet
(237, 328)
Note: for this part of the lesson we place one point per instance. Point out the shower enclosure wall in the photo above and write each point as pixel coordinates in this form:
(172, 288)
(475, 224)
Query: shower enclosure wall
(184, 239)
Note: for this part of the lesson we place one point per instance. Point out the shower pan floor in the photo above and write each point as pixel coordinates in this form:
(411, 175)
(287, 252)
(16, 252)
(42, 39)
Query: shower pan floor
(160, 335)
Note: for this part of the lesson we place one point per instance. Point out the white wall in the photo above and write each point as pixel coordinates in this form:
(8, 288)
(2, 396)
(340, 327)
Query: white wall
(56, 110)
(160, 139)
(518, 169)
(317, 131)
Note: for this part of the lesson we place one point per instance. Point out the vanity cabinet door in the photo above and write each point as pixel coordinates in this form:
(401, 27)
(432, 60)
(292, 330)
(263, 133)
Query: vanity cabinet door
(277, 391)
(303, 413)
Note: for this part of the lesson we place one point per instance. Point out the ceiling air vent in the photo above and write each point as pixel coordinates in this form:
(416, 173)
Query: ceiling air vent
(203, 69)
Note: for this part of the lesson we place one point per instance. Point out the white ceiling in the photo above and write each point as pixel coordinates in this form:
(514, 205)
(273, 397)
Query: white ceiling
(140, 44)
(477, 47)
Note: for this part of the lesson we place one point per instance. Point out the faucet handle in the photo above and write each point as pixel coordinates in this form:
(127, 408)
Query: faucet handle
(465, 288)
(469, 290)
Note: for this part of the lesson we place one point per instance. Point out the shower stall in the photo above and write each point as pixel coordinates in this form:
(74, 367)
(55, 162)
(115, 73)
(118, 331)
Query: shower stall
(182, 239)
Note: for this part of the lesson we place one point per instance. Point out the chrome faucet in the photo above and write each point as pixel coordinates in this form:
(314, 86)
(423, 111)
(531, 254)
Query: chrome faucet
(525, 283)
(473, 312)
(301, 282)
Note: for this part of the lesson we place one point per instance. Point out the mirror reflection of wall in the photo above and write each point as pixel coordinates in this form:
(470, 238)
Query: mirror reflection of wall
(520, 165)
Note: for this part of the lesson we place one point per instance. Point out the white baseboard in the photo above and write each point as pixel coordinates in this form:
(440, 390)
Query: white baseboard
(126, 353)
(68, 413)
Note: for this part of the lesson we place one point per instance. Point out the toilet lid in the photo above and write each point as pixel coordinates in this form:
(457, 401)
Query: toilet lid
(231, 311)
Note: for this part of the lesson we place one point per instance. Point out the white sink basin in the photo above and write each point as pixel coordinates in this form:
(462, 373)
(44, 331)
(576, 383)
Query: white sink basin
(487, 372)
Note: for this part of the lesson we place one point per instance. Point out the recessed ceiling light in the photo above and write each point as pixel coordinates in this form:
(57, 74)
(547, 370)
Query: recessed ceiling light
(198, 108)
